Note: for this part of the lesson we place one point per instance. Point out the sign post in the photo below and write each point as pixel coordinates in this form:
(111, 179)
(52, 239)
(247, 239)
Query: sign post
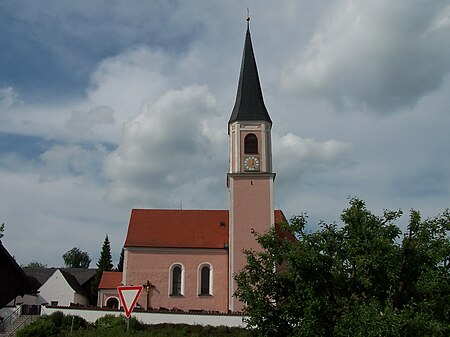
(128, 297)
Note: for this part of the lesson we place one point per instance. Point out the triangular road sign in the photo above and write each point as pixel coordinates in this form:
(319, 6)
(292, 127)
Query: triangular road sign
(129, 296)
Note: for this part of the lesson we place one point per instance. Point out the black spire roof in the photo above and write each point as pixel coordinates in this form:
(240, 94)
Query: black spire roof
(249, 105)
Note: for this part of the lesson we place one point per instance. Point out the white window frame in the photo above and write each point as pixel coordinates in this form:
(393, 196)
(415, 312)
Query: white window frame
(171, 268)
(199, 279)
(116, 298)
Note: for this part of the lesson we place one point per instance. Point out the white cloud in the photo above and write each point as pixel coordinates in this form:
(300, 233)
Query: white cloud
(374, 55)
(46, 218)
(441, 21)
(72, 160)
(295, 156)
(83, 123)
(167, 147)
(8, 97)
(130, 78)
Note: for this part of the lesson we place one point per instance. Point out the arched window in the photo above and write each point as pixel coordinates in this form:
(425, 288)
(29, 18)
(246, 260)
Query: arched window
(251, 144)
(176, 280)
(205, 280)
(112, 302)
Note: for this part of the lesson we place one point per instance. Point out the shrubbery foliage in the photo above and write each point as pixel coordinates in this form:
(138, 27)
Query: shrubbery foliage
(365, 278)
(58, 324)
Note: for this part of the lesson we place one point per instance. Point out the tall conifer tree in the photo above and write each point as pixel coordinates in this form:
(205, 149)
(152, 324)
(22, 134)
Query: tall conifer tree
(104, 264)
(105, 261)
(120, 264)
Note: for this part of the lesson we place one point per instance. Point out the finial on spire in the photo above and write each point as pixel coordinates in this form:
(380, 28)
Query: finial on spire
(248, 15)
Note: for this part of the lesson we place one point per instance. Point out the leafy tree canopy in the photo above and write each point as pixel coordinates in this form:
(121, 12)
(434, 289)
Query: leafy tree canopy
(75, 258)
(35, 264)
(365, 278)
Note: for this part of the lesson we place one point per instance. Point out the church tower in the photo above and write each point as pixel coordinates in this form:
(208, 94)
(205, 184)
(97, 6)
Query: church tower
(250, 178)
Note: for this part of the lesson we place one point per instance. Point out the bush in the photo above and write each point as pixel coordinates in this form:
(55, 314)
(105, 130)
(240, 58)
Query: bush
(42, 327)
(118, 322)
(56, 324)
(64, 322)
(110, 321)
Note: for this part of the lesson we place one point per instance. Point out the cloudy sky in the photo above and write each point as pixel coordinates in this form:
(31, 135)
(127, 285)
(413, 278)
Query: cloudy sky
(107, 106)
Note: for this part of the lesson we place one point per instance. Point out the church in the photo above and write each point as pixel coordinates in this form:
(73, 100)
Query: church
(186, 259)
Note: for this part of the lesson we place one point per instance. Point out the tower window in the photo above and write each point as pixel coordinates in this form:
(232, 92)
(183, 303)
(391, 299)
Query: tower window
(251, 144)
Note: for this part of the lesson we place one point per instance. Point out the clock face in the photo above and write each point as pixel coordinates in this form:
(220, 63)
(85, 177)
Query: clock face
(251, 163)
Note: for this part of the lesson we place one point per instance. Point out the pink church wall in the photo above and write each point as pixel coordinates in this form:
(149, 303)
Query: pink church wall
(252, 213)
(153, 264)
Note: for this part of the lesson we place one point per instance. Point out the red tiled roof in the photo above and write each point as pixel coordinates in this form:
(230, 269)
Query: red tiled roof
(279, 216)
(110, 280)
(166, 228)
(177, 228)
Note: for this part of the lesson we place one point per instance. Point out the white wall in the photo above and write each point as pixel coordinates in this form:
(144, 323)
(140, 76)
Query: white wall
(30, 299)
(154, 318)
(57, 289)
(79, 299)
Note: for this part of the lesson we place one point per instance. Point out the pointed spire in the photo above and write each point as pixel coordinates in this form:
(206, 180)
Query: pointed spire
(249, 105)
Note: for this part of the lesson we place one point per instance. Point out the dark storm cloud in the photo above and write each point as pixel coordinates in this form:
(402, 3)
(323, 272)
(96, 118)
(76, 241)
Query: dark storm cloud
(49, 47)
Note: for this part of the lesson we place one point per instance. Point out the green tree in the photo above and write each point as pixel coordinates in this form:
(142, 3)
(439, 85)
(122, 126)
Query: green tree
(35, 264)
(105, 260)
(75, 258)
(120, 263)
(363, 278)
(104, 264)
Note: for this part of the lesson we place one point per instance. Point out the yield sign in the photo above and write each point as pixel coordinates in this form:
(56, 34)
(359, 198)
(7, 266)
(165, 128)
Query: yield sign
(129, 296)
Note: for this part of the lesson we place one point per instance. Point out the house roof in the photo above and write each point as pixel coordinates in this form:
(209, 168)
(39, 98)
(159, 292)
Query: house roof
(249, 105)
(12, 278)
(82, 275)
(279, 216)
(75, 277)
(158, 228)
(110, 280)
(72, 281)
(41, 275)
